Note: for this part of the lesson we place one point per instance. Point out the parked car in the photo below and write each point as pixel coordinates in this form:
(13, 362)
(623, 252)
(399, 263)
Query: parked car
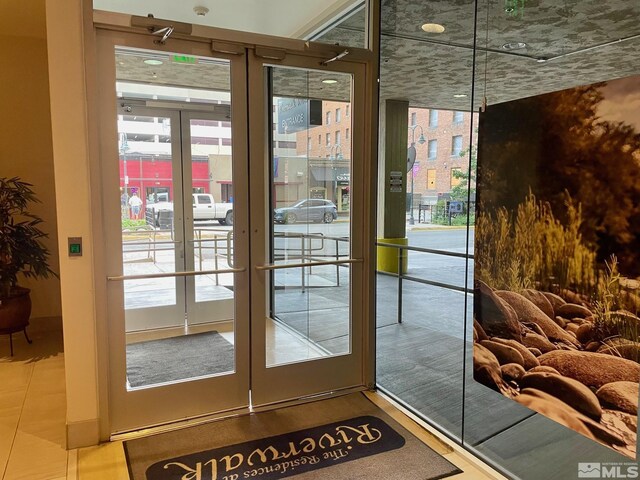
(308, 210)
(204, 208)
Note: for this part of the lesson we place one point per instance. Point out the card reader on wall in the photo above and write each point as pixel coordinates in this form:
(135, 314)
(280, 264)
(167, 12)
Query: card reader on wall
(75, 246)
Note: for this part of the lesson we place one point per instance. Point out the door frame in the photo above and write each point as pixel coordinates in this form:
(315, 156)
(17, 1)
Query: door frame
(231, 44)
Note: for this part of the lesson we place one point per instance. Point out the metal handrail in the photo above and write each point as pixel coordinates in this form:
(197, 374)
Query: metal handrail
(119, 278)
(401, 276)
(425, 250)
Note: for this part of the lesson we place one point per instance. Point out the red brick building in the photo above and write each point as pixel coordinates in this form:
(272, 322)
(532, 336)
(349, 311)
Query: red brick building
(332, 138)
(447, 135)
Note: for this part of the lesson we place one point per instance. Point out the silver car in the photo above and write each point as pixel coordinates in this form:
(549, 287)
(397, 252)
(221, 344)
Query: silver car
(308, 210)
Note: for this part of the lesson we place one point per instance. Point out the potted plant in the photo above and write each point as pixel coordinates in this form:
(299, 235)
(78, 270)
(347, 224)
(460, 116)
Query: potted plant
(21, 251)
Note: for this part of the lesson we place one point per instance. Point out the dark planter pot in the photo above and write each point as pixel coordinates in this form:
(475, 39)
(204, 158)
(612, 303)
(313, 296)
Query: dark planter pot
(15, 311)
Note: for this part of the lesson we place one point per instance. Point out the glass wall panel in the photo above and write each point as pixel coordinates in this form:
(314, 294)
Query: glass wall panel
(558, 158)
(486, 84)
(425, 97)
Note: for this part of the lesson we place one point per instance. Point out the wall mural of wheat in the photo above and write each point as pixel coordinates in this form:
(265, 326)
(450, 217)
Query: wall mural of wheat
(557, 252)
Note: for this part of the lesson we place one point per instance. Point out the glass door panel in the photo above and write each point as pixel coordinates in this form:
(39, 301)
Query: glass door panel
(150, 243)
(310, 214)
(208, 169)
(307, 319)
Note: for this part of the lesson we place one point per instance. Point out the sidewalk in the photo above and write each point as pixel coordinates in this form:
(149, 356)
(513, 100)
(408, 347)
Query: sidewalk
(433, 226)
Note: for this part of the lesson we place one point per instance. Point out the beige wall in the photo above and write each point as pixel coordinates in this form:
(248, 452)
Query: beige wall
(25, 134)
(77, 210)
(221, 168)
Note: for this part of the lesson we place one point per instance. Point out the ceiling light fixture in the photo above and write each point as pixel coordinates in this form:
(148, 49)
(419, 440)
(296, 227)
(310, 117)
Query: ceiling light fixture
(514, 46)
(460, 95)
(200, 10)
(153, 61)
(433, 28)
(330, 81)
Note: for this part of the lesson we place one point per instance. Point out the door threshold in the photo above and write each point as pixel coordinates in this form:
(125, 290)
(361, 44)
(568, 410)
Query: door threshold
(179, 424)
(306, 399)
(214, 417)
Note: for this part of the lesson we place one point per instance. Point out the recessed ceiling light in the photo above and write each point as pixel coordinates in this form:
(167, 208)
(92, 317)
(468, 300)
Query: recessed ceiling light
(513, 46)
(330, 81)
(460, 95)
(541, 60)
(153, 61)
(433, 28)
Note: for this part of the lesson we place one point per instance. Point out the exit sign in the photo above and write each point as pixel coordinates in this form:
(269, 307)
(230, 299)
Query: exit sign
(185, 59)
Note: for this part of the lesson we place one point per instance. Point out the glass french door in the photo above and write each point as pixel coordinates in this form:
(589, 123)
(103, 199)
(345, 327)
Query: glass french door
(174, 217)
(216, 301)
(308, 248)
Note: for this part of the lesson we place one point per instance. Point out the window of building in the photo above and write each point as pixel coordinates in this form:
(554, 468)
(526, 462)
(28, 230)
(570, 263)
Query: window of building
(338, 137)
(456, 145)
(328, 118)
(433, 118)
(201, 140)
(133, 118)
(338, 115)
(455, 180)
(319, 139)
(458, 117)
(346, 134)
(328, 139)
(414, 118)
(140, 137)
(283, 144)
(205, 123)
(347, 110)
(433, 149)
(226, 142)
(431, 179)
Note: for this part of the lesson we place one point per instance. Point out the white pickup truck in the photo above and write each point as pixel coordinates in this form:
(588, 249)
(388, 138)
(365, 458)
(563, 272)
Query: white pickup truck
(204, 208)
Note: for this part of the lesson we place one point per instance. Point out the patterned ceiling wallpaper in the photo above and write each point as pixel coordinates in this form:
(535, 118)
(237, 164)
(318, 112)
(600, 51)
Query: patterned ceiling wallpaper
(429, 69)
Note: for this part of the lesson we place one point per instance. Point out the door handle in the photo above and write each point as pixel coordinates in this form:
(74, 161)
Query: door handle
(309, 264)
(193, 273)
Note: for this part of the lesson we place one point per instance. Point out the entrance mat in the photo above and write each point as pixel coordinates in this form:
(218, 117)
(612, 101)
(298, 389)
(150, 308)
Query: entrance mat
(341, 438)
(178, 358)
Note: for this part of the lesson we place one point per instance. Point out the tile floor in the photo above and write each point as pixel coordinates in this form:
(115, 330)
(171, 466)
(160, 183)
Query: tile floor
(32, 419)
